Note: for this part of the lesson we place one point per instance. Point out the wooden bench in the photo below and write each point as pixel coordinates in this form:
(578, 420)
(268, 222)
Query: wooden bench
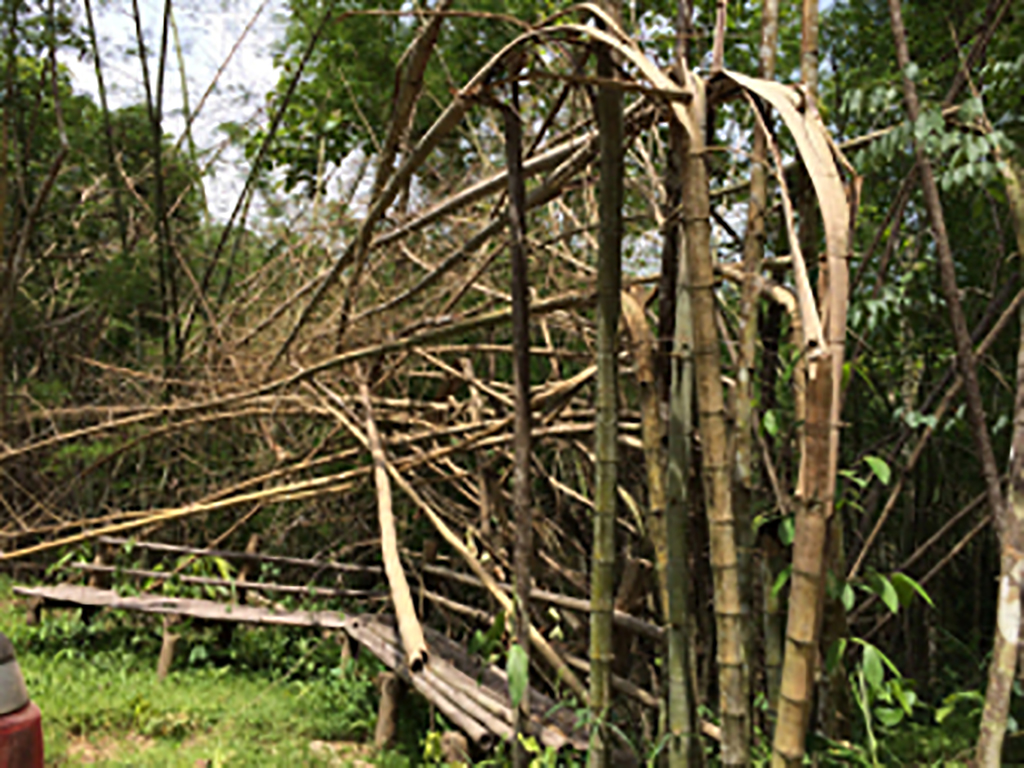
(473, 696)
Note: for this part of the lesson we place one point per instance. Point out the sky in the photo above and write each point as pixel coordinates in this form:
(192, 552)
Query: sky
(208, 32)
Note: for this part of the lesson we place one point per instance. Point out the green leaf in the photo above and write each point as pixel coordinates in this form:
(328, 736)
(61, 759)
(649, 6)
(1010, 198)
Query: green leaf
(906, 587)
(787, 529)
(529, 744)
(223, 567)
(906, 698)
(848, 596)
(881, 657)
(835, 654)
(873, 670)
(770, 423)
(780, 580)
(879, 468)
(852, 476)
(885, 590)
(889, 716)
(518, 670)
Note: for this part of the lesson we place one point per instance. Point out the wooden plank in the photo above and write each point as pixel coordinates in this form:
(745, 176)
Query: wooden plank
(208, 610)
(287, 589)
(473, 686)
(582, 605)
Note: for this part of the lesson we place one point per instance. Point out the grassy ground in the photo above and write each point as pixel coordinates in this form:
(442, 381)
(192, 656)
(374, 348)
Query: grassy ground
(270, 698)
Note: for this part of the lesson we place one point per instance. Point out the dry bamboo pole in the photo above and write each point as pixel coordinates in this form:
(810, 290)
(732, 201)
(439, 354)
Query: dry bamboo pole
(734, 705)
(450, 708)
(832, 298)
(579, 604)
(476, 414)
(797, 683)
(358, 250)
(407, 93)
(609, 281)
(306, 489)
(826, 350)
(537, 640)
(415, 646)
(753, 253)
(652, 432)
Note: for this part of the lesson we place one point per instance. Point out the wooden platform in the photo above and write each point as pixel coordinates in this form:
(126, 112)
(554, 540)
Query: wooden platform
(472, 695)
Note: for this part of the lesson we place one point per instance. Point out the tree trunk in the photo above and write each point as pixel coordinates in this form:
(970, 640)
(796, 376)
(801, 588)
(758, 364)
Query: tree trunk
(993, 724)
(521, 372)
(1011, 538)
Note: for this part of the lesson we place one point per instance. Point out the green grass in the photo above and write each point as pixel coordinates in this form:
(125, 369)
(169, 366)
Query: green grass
(260, 702)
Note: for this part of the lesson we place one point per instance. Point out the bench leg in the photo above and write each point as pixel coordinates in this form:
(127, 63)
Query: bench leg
(349, 648)
(33, 611)
(163, 664)
(391, 689)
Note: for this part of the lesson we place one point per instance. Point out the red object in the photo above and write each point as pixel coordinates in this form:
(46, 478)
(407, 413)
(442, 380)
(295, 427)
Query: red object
(21, 738)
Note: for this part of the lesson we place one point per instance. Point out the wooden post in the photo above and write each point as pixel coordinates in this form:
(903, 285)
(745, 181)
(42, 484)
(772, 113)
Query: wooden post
(103, 556)
(33, 611)
(163, 665)
(349, 648)
(246, 569)
(391, 689)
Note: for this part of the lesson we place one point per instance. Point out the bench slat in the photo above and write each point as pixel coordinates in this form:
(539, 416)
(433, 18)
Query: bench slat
(209, 610)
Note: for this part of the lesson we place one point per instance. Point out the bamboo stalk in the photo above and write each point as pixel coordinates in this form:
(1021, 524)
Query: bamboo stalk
(753, 253)
(685, 749)
(416, 654)
(797, 682)
(734, 702)
(609, 280)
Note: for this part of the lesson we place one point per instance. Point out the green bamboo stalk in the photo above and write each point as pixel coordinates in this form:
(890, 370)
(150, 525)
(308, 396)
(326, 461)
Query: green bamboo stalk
(684, 747)
(609, 281)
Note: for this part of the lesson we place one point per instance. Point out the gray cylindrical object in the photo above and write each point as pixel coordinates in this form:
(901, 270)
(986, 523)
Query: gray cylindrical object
(13, 693)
